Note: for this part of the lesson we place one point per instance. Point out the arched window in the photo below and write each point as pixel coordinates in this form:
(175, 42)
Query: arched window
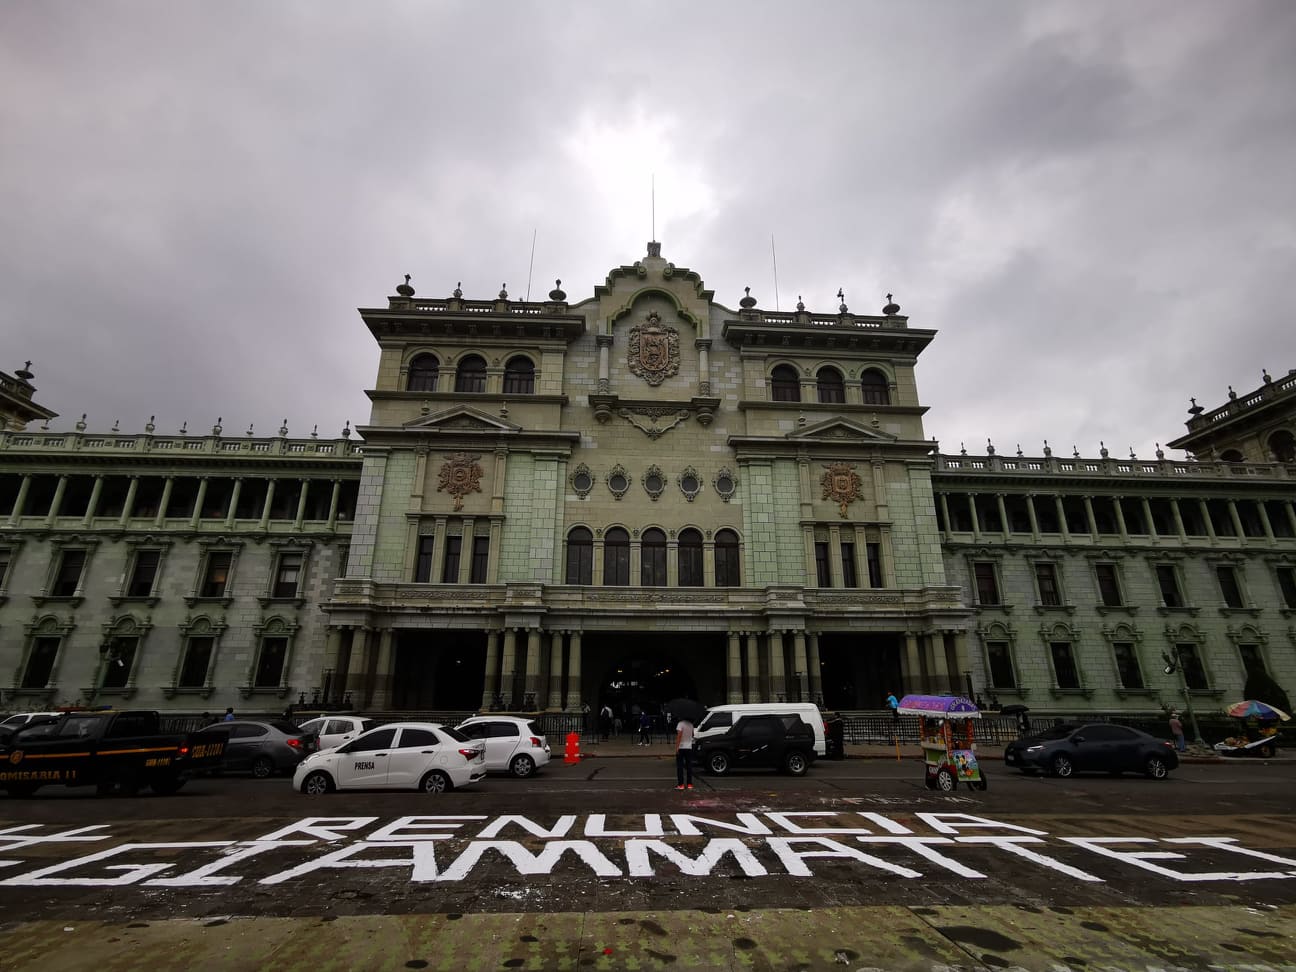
(785, 386)
(875, 388)
(727, 571)
(652, 558)
(616, 558)
(1230, 455)
(1283, 446)
(424, 371)
(690, 558)
(519, 376)
(470, 376)
(831, 389)
(580, 556)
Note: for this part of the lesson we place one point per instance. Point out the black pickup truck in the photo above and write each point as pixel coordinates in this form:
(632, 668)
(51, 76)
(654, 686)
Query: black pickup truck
(114, 751)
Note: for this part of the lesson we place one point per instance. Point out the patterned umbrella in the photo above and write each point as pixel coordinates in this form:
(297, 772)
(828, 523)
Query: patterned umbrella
(1251, 709)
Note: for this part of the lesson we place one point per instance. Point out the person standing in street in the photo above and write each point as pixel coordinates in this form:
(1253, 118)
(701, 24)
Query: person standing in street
(605, 722)
(684, 755)
(1176, 727)
(229, 714)
(645, 729)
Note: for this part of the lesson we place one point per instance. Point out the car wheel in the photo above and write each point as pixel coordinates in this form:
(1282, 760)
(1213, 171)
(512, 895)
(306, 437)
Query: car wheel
(718, 763)
(436, 782)
(522, 766)
(1156, 768)
(796, 764)
(1062, 766)
(945, 781)
(317, 783)
(263, 767)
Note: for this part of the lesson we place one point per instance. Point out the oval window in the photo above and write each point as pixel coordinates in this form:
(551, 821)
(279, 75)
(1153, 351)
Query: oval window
(653, 483)
(582, 481)
(724, 484)
(689, 484)
(618, 482)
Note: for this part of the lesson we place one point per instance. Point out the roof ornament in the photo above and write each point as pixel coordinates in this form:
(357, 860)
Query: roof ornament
(1102, 448)
(184, 427)
(116, 425)
(962, 449)
(557, 294)
(458, 291)
(892, 308)
(249, 432)
(503, 294)
(151, 425)
(748, 302)
(1263, 372)
(1075, 453)
(1019, 452)
(1160, 453)
(800, 304)
(216, 429)
(45, 426)
(346, 430)
(1232, 393)
(315, 431)
(1048, 453)
(81, 425)
(283, 429)
(405, 290)
(842, 297)
(1196, 409)
(990, 450)
(1132, 456)
(24, 373)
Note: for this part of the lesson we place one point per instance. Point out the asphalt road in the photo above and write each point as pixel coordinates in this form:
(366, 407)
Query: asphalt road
(859, 850)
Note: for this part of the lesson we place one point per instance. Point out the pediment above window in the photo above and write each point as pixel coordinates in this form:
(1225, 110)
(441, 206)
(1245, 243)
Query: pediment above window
(461, 419)
(842, 428)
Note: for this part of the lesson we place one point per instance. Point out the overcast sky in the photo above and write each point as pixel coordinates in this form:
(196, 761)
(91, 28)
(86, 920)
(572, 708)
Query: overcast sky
(1093, 203)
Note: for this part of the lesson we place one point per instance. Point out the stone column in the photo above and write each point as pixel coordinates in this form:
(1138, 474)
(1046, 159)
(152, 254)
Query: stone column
(913, 673)
(93, 505)
(334, 499)
(358, 676)
(23, 488)
(1153, 536)
(165, 501)
(300, 518)
(799, 666)
(233, 502)
(596, 571)
(129, 506)
(961, 660)
(1206, 518)
(834, 555)
(734, 668)
(811, 565)
(265, 509)
(1121, 528)
(531, 687)
(1062, 520)
(1237, 521)
(815, 665)
(1178, 519)
(574, 690)
(604, 342)
(381, 695)
(199, 500)
(672, 561)
(555, 670)
(491, 678)
(703, 346)
(332, 648)
(1003, 513)
(465, 554)
(1290, 507)
(884, 556)
(508, 666)
(1264, 521)
(708, 562)
(945, 513)
(775, 652)
(976, 520)
(636, 561)
(939, 667)
(1034, 519)
(1089, 517)
(59, 490)
(753, 669)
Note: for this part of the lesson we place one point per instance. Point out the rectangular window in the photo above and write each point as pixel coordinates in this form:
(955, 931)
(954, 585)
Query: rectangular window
(822, 573)
(690, 565)
(1064, 666)
(480, 558)
(1001, 667)
(1168, 581)
(652, 562)
(616, 564)
(1251, 660)
(450, 565)
(1279, 518)
(1046, 578)
(1229, 588)
(40, 663)
(423, 563)
(120, 661)
(143, 573)
(874, 554)
(198, 652)
(987, 585)
(580, 562)
(288, 575)
(726, 561)
(1108, 585)
(271, 662)
(1193, 669)
(1127, 665)
(848, 565)
(68, 576)
(1287, 585)
(216, 575)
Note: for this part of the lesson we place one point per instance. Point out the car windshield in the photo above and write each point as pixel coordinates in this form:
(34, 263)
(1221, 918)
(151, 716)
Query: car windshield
(716, 720)
(454, 734)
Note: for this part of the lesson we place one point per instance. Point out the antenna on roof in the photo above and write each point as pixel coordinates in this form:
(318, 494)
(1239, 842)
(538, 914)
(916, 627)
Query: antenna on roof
(774, 257)
(530, 265)
(653, 191)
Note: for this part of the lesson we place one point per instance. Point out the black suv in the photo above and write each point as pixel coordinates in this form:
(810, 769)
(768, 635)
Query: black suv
(782, 742)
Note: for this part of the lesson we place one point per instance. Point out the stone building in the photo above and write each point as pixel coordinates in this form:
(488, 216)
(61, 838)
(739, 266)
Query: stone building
(634, 496)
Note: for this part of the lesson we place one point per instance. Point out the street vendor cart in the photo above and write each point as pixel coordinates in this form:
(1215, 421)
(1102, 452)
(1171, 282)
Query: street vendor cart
(1259, 732)
(946, 735)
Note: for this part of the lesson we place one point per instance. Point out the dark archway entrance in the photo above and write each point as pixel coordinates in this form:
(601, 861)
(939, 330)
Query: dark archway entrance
(859, 670)
(634, 672)
(439, 670)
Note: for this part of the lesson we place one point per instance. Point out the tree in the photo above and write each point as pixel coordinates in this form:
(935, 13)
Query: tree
(1261, 687)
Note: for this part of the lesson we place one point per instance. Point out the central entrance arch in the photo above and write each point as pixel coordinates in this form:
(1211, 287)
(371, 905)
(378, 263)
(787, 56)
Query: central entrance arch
(639, 672)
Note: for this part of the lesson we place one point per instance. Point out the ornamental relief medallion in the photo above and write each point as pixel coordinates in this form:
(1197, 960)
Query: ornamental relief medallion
(654, 353)
(459, 476)
(841, 484)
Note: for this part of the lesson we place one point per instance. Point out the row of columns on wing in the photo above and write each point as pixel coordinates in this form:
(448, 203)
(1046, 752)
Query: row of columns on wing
(1124, 516)
(123, 499)
(531, 668)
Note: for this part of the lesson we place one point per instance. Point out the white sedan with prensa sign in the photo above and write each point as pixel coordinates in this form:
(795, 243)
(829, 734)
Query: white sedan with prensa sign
(423, 756)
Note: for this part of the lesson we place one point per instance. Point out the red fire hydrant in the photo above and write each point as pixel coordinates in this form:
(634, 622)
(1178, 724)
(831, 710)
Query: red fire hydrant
(572, 754)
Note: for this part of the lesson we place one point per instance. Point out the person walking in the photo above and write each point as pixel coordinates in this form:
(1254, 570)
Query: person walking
(645, 729)
(229, 714)
(605, 722)
(684, 755)
(1176, 727)
(894, 705)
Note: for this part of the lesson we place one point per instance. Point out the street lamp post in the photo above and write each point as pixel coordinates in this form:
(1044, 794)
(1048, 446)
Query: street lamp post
(1174, 664)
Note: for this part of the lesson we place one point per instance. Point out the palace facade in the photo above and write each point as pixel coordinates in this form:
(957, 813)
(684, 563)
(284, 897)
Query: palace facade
(635, 496)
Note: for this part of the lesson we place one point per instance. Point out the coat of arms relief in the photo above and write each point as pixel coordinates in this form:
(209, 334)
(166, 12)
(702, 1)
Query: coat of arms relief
(460, 475)
(654, 353)
(842, 485)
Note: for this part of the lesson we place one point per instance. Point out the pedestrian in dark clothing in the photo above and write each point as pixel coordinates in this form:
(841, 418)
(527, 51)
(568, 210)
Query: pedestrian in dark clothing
(684, 755)
(605, 722)
(645, 729)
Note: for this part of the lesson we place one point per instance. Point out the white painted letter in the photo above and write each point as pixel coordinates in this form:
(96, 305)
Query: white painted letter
(793, 859)
(638, 865)
(1013, 846)
(784, 821)
(687, 824)
(202, 876)
(321, 828)
(919, 846)
(130, 872)
(560, 829)
(596, 826)
(952, 823)
(1144, 860)
(415, 827)
(422, 859)
(528, 863)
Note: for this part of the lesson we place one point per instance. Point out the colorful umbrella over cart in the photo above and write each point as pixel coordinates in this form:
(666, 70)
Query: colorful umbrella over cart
(1252, 709)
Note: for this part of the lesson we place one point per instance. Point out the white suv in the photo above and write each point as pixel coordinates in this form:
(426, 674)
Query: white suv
(513, 745)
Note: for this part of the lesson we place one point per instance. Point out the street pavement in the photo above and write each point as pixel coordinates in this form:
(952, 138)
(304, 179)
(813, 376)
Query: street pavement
(602, 864)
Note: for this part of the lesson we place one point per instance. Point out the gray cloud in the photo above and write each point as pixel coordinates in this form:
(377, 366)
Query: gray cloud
(1092, 203)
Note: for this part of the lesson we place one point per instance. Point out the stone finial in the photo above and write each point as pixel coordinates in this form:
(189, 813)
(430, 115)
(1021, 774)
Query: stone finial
(315, 431)
(216, 429)
(1048, 453)
(503, 294)
(503, 412)
(184, 427)
(1232, 393)
(892, 308)
(1075, 453)
(458, 291)
(990, 449)
(425, 408)
(24, 373)
(346, 430)
(748, 302)
(150, 425)
(116, 426)
(800, 304)
(557, 295)
(249, 432)
(962, 449)
(1195, 409)
(1263, 374)
(283, 429)
(81, 425)
(841, 295)
(1132, 456)
(1160, 453)
(405, 290)
(45, 426)
(1102, 448)
(1019, 451)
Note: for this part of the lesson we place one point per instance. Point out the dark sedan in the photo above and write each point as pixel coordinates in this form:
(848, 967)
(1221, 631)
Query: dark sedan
(1096, 747)
(266, 748)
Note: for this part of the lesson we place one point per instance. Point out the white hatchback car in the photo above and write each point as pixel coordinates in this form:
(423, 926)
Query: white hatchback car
(513, 745)
(334, 730)
(423, 756)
